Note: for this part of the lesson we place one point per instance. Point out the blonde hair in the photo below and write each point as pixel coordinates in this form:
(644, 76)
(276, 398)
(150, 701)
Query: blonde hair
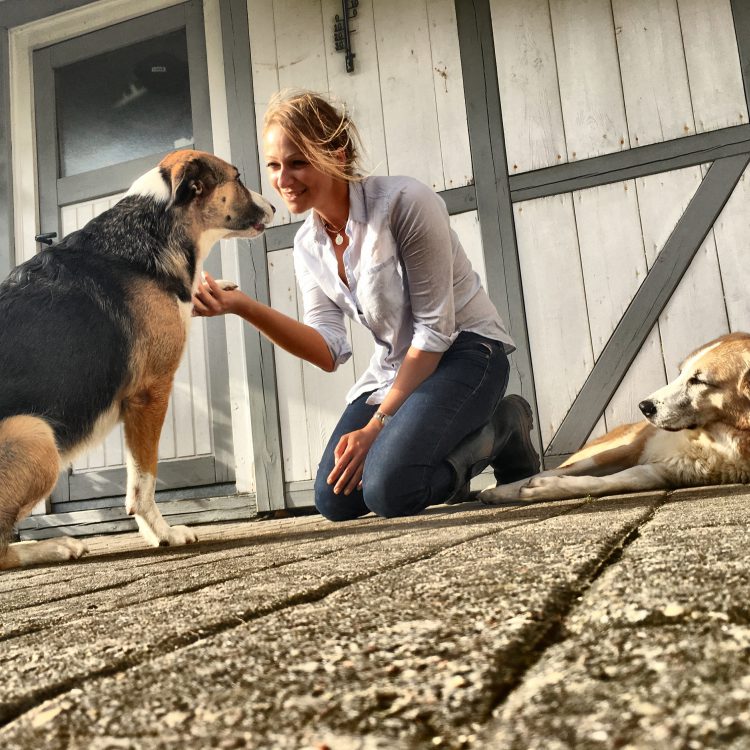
(321, 130)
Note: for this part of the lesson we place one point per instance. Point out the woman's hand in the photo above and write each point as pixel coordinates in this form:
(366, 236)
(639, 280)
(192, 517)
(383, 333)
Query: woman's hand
(215, 298)
(350, 455)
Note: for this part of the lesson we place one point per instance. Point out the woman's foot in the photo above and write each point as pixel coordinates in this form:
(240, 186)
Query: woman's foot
(517, 459)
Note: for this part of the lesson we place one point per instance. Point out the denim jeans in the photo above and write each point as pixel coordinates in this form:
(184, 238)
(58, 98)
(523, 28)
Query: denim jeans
(405, 470)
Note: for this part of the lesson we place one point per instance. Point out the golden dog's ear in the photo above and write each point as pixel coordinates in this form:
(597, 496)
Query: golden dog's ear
(744, 384)
(190, 179)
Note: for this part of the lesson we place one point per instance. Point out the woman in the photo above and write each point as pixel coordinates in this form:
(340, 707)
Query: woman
(381, 250)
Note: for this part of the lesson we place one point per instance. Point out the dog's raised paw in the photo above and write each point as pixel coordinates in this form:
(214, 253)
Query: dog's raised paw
(227, 286)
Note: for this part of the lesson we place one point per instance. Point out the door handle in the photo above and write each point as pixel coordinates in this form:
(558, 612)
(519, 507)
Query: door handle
(46, 238)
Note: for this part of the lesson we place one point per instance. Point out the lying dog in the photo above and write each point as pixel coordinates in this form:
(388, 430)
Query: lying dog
(698, 432)
(93, 330)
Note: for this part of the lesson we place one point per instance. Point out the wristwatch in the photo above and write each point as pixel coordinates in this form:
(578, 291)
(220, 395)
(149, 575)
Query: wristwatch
(383, 418)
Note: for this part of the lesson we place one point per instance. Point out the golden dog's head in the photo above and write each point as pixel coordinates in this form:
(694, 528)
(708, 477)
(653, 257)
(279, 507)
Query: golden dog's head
(713, 386)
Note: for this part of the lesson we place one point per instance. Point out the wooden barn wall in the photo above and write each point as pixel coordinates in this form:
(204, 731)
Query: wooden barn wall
(406, 97)
(583, 78)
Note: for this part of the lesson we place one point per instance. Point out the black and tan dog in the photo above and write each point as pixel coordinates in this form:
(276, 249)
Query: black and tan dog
(92, 331)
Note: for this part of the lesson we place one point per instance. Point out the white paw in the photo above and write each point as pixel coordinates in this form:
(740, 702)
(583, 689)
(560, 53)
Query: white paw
(547, 488)
(180, 535)
(171, 536)
(502, 493)
(227, 286)
(57, 549)
(65, 548)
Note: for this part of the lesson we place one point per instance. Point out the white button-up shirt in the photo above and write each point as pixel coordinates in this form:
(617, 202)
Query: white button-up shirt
(409, 280)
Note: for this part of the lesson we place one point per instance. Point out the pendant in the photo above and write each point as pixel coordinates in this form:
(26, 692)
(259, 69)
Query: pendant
(339, 239)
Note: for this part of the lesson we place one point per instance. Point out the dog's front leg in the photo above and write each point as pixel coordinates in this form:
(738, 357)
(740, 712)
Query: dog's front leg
(635, 479)
(503, 494)
(143, 416)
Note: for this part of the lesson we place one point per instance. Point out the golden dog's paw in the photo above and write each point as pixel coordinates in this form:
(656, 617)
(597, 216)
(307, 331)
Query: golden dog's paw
(503, 493)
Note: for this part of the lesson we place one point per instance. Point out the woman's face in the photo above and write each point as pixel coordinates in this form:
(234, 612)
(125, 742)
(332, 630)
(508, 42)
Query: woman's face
(300, 185)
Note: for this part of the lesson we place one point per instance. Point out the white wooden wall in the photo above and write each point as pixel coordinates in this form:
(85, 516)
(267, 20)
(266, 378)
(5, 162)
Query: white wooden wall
(187, 427)
(583, 78)
(406, 97)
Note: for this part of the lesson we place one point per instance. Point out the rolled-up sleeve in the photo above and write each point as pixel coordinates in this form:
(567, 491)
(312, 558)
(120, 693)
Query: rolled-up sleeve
(420, 223)
(322, 314)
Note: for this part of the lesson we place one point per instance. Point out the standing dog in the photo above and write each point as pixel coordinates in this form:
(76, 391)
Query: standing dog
(92, 331)
(698, 432)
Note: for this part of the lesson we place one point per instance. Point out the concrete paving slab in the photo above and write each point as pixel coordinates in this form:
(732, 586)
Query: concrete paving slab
(109, 615)
(394, 634)
(657, 652)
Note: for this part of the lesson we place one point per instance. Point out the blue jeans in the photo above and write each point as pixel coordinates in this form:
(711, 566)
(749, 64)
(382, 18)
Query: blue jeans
(405, 470)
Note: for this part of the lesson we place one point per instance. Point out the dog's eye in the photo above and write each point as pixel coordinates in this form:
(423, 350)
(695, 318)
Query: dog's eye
(695, 380)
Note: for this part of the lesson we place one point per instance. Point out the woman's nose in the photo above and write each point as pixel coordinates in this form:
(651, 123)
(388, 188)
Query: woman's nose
(283, 177)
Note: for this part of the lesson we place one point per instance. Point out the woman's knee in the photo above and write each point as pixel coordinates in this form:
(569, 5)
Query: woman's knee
(392, 492)
(337, 507)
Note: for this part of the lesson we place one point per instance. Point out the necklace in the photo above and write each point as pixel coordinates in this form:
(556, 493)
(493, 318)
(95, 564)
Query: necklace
(338, 239)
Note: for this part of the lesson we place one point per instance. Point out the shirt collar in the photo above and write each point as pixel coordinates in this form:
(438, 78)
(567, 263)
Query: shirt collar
(357, 207)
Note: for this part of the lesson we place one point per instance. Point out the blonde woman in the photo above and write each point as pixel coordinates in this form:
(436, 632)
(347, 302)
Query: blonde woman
(429, 412)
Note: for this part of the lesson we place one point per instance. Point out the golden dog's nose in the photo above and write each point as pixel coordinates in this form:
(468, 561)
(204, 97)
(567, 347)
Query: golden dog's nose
(648, 408)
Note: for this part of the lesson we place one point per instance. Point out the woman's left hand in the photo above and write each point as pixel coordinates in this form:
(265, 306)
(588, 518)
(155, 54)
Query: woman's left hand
(350, 455)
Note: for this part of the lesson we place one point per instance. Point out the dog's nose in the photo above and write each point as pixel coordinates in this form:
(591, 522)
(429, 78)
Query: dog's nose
(648, 408)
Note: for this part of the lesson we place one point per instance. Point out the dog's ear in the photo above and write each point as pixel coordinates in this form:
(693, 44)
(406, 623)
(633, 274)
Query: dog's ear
(189, 179)
(744, 384)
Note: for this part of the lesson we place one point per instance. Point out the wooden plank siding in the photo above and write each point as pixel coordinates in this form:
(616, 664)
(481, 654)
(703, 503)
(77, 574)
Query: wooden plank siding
(581, 79)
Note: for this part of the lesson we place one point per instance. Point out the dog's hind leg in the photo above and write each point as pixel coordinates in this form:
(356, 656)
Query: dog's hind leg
(29, 466)
(143, 416)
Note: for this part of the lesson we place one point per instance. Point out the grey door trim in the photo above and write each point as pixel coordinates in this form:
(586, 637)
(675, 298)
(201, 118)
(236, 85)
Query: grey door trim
(218, 468)
(631, 163)
(493, 198)
(98, 182)
(17, 12)
(7, 244)
(457, 201)
(259, 356)
(104, 181)
(173, 474)
(741, 15)
(648, 303)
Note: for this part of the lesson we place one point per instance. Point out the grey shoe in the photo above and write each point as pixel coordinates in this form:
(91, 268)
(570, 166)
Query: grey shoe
(517, 458)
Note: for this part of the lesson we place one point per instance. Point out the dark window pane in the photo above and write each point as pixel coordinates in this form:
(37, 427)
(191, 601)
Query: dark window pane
(124, 104)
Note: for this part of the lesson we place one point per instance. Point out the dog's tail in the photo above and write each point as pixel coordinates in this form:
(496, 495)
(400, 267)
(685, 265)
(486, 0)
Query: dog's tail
(29, 466)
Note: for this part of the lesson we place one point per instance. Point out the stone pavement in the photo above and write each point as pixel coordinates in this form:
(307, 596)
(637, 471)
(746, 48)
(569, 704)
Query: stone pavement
(612, 623)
